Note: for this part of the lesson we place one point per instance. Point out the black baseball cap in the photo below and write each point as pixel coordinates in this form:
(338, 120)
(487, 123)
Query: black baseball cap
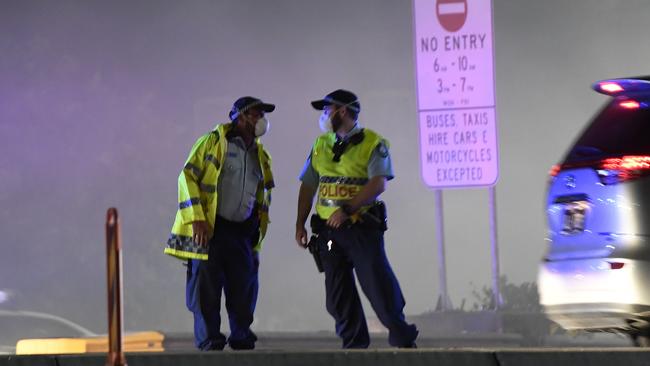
(339, 97)
(243, 104)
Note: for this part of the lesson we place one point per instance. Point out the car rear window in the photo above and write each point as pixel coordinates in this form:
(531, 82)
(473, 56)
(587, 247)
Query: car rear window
(615, 131)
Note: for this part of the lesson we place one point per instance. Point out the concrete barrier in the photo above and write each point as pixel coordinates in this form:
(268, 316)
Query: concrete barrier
(27, 360)
(338, 358)
(273, 358)
(559, 357)
(384, 357)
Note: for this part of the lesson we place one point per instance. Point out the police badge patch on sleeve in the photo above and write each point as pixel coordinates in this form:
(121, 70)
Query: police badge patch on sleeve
(382, 149)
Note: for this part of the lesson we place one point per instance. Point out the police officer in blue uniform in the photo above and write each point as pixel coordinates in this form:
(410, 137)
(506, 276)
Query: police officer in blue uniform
(348, 167)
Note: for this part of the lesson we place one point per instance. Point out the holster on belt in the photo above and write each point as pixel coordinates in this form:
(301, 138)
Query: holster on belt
(319, 232)
(313, 245)
(317, 225)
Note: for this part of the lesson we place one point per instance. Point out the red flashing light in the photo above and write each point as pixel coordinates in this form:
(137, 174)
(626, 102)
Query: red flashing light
(629, 104)
(611, 87)
(616, 265)
(554, 170)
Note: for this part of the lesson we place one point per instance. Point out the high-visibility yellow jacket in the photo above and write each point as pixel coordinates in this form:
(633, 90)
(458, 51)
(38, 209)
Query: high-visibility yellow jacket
(197, 193)
(341, 181)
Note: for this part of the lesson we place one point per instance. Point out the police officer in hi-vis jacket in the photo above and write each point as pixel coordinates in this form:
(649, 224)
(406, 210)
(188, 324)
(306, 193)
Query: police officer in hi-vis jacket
(347, 169)
(224, 192)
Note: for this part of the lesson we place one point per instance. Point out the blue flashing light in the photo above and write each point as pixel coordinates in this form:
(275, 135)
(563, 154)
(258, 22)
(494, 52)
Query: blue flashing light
(615, 87)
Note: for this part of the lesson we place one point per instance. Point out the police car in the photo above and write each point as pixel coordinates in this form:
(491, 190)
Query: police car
(595, 274)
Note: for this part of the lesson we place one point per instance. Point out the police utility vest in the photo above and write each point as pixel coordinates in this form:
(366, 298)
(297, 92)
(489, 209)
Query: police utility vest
(341, 181)
(197, 193)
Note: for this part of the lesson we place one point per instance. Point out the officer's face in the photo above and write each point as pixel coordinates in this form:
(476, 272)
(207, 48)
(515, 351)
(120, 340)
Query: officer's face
(254, 115)
(336, 113)
(250, 119)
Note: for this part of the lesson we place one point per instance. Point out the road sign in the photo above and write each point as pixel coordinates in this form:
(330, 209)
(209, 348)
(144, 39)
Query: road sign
(451, 14)
(455, 92)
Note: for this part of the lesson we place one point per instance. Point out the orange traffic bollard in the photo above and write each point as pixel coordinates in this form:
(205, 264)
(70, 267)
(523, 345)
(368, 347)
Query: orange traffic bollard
(114, 272)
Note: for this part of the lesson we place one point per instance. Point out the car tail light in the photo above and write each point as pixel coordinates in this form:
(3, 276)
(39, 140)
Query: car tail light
(555, 169)
(627, 168)
(627, 163)
(616, 265)
(611, 170)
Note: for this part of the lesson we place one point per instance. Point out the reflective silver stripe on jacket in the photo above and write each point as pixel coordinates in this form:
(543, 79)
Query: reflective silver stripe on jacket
(343, 180)
(188, 203)
(332, 203)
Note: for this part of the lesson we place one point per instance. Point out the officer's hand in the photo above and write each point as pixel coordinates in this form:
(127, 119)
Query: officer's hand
(337, 219)
(201, 232)
(301, 236)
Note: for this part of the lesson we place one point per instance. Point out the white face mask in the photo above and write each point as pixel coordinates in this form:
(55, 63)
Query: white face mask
(325, 122)
(262, 126)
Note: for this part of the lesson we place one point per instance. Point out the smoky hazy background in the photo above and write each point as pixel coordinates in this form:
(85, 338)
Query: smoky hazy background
(100, 102)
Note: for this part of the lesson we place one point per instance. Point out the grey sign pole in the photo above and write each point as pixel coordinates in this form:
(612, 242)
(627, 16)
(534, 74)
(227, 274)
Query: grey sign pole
(494, 250)
(444, 302)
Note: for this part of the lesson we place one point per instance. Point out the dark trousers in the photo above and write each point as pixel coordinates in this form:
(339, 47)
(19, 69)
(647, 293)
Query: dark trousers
(362, 250)
(231, 267)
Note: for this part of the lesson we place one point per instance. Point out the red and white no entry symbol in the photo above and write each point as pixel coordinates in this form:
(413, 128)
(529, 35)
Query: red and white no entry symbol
(451, 14)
